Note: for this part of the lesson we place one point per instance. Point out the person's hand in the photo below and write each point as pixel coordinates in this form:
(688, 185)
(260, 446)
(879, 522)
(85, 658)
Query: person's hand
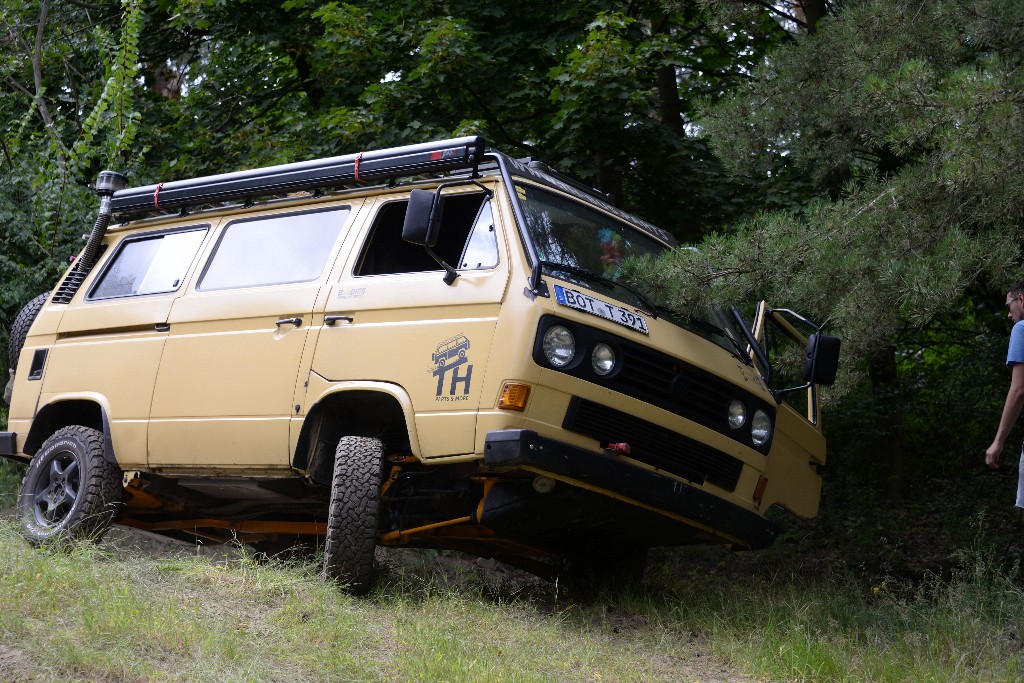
(992, 455)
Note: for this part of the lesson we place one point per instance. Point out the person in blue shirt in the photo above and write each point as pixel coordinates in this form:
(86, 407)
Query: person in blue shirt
(1015, 396)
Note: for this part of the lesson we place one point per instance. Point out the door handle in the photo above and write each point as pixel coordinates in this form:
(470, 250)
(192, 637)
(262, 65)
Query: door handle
(289, 321)
(330, 320)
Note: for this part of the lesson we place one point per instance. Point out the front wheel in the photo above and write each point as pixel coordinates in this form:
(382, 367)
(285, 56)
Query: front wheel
(352, 519)
(69, 492)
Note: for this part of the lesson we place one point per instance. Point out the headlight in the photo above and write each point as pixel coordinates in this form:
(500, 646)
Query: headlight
(559, 346)
(737, 414)
(760, 428)
(603, 359)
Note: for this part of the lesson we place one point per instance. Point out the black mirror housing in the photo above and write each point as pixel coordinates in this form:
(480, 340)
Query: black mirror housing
(822, 359)
(422, 217)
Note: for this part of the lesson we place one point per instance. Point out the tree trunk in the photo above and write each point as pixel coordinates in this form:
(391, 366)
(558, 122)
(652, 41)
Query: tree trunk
(668, 99)
(609, 178)
(670, 111)
(810, 12)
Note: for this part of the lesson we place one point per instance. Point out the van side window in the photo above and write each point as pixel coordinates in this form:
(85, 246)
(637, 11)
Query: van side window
(482, 248)
(151, 264)
(274, 250)
(467, 239)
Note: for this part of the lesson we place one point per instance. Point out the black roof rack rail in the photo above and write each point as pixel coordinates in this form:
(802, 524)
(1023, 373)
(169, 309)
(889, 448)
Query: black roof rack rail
(395, 162)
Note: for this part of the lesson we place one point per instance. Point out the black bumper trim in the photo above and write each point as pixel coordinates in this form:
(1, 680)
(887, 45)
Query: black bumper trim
(8, 444)
(526, 448)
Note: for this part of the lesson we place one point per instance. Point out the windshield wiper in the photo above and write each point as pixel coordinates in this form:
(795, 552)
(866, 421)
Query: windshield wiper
(711, 328)
(646, 305)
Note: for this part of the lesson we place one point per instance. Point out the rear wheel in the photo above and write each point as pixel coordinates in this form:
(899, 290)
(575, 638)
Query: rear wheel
(69, 492)
(355, 507)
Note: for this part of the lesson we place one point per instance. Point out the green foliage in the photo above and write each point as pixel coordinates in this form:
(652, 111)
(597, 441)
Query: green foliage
(114, 109)
(584, 90)
(909, 118)
(68, 111)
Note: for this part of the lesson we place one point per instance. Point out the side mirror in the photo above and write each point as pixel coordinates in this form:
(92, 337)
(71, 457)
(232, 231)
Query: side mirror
(422, 217)
(422, 226)
(822, 359)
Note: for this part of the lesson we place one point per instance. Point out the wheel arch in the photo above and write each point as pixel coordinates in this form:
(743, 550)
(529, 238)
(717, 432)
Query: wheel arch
(87, 411)
(376, 409)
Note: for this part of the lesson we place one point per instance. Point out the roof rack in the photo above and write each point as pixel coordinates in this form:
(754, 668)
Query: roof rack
(395, 162)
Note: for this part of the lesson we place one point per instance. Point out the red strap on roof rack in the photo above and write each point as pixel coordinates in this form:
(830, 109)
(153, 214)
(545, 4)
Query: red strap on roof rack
(156, 195)
(358, 157)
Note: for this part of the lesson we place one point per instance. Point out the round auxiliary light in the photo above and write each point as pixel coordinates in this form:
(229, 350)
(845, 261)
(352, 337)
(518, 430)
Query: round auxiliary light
(603, 359)
(543, 484)
(760, 428)
(737, 414)
(559, 346)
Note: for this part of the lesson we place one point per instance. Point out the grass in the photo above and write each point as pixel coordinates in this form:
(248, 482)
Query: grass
(839, 630)
(89, 614)
(113, 612)
(104, 613)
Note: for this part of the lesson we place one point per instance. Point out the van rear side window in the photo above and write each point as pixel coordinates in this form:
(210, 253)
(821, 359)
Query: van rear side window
(151, 264)
(274, 250)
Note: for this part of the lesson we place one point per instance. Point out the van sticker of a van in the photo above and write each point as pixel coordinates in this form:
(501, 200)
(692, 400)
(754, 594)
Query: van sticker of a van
(451, 354)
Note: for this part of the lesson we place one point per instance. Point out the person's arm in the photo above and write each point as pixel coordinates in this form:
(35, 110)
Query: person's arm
(1011, 411)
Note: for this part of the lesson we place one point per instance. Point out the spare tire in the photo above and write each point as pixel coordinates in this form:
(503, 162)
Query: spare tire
(19, 330)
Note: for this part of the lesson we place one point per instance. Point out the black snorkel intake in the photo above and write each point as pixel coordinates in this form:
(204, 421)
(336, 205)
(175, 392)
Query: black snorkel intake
(107, 183)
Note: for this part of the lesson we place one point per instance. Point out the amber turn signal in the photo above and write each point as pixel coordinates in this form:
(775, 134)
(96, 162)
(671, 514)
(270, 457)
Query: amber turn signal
(514, 396)
(762, 484)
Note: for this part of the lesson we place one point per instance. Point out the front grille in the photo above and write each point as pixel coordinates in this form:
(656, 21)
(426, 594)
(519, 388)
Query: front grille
(656, 446)
(677, 387)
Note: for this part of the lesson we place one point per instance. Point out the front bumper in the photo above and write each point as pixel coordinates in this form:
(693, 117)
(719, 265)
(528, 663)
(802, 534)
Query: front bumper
(622, 511)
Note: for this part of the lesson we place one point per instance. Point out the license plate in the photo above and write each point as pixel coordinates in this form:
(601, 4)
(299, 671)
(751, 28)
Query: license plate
(603, 309)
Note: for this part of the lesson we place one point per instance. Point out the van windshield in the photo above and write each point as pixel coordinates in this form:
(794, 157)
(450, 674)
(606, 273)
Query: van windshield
(568, 233)
(580, 244)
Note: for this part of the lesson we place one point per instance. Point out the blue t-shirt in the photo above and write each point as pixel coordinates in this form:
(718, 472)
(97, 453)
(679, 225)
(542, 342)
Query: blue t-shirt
(1016, 352)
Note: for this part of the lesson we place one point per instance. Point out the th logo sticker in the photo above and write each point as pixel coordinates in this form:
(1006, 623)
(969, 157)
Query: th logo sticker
(450, 356)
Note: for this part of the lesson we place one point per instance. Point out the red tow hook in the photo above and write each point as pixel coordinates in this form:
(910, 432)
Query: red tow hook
(620, 448)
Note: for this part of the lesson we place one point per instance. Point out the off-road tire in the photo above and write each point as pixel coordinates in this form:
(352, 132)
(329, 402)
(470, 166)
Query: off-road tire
(70, 493)
(19, 332)
(354, 510)
(19, 328)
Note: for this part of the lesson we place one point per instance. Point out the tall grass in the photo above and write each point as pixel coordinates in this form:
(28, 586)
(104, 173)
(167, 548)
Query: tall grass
(840, 628)
(11, 475)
